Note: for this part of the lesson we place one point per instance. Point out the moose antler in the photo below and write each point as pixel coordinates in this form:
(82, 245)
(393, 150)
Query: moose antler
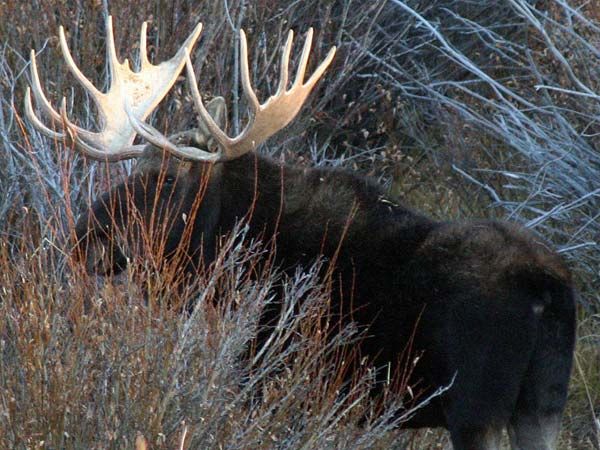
(141, 91)
(266, 119)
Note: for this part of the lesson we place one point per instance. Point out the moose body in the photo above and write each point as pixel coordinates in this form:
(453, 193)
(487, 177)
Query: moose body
(486, 307)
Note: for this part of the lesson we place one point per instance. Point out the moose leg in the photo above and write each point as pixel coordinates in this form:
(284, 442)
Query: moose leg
(533, 432)
(490, 363)
(535, 422)
(485, 438)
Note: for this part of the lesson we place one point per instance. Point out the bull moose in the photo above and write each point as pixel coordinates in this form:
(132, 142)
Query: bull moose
(488, 305)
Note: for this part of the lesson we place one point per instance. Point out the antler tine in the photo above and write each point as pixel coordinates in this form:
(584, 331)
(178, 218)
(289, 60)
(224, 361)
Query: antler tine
(303, 58)
(37, 122)
(320, 70)
(42, 101)
(246, 84)
(113, 60)
(73, 67)
(285, 62)
(142, 90)
(46, 106)
(143, 51)
(268, 118)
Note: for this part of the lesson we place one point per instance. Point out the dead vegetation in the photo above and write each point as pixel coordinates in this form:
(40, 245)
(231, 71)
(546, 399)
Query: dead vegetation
(464, 110)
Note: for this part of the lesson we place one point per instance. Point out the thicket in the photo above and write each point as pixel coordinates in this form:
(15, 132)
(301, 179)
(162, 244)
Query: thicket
(464, 109)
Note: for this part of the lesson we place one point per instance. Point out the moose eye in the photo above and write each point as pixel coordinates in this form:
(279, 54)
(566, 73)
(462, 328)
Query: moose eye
(169, 179)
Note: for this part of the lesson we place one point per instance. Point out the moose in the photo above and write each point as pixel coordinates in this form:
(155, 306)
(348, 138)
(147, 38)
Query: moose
(487, 304)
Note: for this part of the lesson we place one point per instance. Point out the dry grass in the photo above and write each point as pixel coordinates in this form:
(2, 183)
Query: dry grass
(90, 363)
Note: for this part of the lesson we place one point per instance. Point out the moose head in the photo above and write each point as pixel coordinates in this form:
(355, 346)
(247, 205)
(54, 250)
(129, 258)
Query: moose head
(174, 176)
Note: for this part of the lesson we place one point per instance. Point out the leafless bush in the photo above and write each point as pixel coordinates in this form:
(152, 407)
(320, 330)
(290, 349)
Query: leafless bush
(89, 363)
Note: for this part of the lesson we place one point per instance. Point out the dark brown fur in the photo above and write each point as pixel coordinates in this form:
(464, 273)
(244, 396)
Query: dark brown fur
(490, 303)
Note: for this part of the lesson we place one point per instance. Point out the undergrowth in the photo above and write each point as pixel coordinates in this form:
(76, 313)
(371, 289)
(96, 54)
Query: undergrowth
(463, 109)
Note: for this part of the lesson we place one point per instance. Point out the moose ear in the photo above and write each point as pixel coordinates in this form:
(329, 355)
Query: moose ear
(201, 136)
(218, 111)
